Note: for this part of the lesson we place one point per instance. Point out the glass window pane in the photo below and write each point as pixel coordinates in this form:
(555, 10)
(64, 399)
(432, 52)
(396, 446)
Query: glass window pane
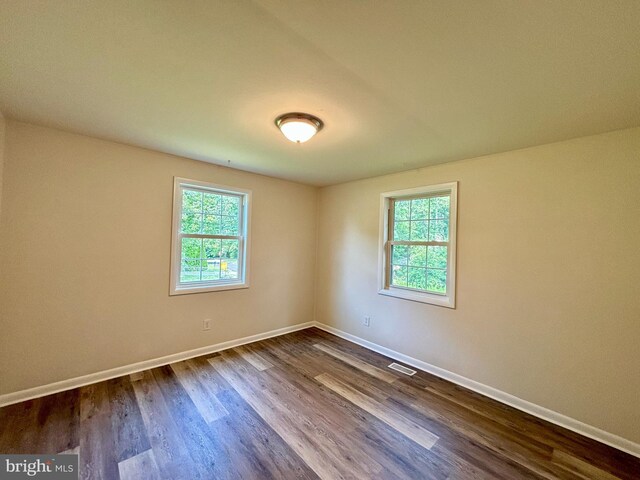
(437, 257)
(399, 276)
(190, 270)
(420, 209)
(439, 230)
(212, 271)
(230, 249)
(191, 248)
(229, 225)
(419, 230)
(439, 207)
(229, 259)
(191, 222)
(203, 266)
(401, 231)
(212, 224)
(230, 206)
(191, 201)
(399, 254)
(402, 209)
(212, 203)
(417, 278)
(418, 256)
(211, 248)
(437, 280)
(228, 268)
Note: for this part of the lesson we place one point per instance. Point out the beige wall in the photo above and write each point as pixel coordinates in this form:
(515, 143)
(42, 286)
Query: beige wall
(2, 141)
(548, 303)
(84, 255)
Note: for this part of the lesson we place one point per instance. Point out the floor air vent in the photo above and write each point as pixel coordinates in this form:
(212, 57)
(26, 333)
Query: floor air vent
(402, 369)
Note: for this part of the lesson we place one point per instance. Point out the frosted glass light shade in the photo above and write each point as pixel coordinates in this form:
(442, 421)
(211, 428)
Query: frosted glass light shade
(298, 130)
(298, 127)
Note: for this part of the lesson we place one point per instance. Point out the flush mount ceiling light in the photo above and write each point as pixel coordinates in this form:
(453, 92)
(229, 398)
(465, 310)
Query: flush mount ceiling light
(299, 127)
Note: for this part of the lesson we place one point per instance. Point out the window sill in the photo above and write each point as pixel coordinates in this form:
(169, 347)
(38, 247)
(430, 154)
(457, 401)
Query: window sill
(207, 288)
(439, 300)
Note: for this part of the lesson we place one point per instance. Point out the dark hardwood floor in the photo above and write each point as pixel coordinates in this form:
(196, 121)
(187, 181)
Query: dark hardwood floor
(304, 405)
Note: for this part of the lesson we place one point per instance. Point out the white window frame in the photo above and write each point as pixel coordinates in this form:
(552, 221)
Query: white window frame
(384, 249)
(177, 288)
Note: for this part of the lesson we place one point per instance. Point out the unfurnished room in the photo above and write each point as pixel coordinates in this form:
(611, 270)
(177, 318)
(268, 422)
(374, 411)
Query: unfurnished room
(332, 239)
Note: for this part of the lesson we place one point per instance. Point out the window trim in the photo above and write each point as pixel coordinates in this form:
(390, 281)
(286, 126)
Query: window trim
(175, 287)
(384, 249)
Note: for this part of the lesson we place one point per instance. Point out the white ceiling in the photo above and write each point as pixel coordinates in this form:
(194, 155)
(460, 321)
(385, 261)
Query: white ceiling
(399, 84)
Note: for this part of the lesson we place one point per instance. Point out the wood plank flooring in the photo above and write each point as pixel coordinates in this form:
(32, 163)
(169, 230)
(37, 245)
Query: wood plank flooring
(304, 405)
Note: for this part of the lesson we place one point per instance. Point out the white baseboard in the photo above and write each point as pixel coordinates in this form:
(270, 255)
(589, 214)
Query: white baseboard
(544, 413)
(41, 391)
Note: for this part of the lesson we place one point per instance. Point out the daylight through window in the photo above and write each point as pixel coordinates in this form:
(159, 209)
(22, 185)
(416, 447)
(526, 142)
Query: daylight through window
(419, 244)
(210, 237)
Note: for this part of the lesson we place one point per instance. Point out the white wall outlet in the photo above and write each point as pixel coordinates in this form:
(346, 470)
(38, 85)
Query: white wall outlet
(206, 324)
(367, 321)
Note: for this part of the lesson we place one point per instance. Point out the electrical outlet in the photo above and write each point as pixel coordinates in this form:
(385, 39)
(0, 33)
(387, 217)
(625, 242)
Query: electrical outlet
(367, 321)
(206, 324)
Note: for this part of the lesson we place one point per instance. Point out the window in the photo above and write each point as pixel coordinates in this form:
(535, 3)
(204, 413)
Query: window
(418, 244)
(210, 237)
